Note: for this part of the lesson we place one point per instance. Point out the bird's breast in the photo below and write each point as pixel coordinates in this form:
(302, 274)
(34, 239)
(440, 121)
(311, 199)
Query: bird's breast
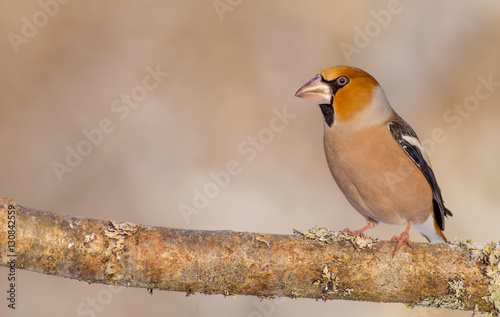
(376, 176)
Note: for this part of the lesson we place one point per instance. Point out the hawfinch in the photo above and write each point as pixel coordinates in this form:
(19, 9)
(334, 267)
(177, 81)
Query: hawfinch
(374, 156)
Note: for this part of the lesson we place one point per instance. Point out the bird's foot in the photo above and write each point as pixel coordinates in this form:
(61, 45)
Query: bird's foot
(403, 238)
(353, 233)
(359, 232)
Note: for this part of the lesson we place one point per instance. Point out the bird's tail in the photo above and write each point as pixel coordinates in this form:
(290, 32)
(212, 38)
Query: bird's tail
(436, 236)
(430, 230)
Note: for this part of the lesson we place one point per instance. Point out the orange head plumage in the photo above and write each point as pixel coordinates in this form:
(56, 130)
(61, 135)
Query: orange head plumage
(348, 90)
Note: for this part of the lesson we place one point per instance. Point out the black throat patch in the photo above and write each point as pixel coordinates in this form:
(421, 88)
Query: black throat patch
(327, 110)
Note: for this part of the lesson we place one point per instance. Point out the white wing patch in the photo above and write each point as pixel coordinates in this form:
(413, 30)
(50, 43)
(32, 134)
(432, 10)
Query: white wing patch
(408, 140)
(415, 142)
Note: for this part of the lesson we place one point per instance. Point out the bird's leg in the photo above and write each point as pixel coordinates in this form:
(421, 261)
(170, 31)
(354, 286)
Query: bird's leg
(403, 238)
(360, 231)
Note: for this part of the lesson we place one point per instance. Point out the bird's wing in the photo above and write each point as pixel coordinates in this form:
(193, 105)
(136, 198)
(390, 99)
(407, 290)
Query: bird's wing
(409, 142)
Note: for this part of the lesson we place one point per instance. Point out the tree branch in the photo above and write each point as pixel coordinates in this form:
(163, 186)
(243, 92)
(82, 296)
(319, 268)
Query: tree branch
(317, 264)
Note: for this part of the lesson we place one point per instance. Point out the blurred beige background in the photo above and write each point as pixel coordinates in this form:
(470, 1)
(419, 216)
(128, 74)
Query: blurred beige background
(231, 66)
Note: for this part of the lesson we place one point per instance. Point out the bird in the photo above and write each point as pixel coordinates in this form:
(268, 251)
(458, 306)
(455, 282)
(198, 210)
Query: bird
(374, 156)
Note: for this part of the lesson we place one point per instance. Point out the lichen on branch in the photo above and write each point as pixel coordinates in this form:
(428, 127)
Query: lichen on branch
(318, 263)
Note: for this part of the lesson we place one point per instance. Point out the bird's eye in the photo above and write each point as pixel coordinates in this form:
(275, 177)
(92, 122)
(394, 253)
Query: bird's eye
(342, 81)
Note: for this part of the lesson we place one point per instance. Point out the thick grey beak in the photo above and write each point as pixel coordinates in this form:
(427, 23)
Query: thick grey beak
(316, 90)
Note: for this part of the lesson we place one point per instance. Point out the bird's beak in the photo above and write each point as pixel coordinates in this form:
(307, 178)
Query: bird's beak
(316, 90)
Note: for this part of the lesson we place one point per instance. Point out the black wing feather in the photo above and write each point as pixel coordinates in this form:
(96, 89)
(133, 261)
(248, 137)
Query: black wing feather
(400, 128)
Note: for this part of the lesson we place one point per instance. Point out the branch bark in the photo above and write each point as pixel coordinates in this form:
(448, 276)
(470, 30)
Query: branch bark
(316, 264)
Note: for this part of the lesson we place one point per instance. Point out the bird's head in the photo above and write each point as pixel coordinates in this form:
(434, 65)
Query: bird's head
(345, 91)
